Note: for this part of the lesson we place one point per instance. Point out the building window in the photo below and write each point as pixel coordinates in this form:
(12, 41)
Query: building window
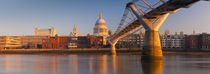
(101, 30)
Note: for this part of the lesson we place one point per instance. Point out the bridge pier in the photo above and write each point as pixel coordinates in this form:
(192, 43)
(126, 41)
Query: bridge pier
(113, 49)
(152, 46)
(113, 43)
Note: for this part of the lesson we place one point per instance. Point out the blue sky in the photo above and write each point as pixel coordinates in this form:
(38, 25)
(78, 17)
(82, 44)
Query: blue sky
(20, 17)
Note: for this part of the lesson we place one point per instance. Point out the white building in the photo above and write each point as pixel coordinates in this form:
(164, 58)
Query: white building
(45, 32)
(101, 29)
(172, 41)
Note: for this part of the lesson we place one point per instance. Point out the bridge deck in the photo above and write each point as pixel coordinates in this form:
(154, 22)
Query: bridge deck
(170, 6)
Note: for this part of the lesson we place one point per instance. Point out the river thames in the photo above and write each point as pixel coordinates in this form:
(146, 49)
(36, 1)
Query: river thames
(103, 64)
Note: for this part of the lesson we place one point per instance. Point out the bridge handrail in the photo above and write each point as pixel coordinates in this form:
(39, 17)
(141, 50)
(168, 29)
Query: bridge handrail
(146, 11)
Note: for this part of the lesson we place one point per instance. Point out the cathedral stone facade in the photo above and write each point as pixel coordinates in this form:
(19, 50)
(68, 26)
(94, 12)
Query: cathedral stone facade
(100, 28)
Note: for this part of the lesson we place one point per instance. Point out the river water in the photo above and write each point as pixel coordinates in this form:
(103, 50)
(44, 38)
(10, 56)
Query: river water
(103, 64)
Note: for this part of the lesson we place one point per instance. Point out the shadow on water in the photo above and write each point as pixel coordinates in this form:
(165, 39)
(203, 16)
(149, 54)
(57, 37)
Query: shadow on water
(152, 66)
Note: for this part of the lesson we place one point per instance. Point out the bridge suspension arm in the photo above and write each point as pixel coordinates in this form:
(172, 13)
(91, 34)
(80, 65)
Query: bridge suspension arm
(142, 11)
(123, 18)
(147, 4)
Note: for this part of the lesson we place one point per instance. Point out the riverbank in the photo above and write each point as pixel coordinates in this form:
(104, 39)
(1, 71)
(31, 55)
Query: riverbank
(93, 51)
(68, 51)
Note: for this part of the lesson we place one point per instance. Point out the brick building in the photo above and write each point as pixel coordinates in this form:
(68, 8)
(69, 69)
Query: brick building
(204, 41)
(67, 42)
(96, 41)
(56, 42)
(32, 42)
(191, 42)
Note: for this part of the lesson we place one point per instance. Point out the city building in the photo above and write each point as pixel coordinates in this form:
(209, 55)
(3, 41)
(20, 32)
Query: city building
(198, 42)
(10, 42)
(167, 32)
(57, 42)
(191, 42)
(73, 42)
(204, 41)
(131, 41)
(32, 42)
(101, 29)
(45, 32)
(90, 41)
(69, 42)
(141, 39)
(96, 41)
(73, 38)
(83, 41)
(172, 41)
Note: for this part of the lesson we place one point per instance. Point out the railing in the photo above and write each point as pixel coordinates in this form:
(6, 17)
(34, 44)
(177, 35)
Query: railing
(143, 7)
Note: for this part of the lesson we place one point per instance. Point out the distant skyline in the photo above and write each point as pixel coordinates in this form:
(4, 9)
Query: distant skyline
(21, 17)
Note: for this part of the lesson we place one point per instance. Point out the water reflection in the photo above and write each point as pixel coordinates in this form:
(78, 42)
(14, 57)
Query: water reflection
(152, 66)
(73, 64)
(90, 63)
(102, 64)
(114, 64)
(14, 65)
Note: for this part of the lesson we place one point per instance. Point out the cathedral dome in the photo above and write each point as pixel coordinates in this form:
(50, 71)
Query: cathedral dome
(100, 21)
(100, 28)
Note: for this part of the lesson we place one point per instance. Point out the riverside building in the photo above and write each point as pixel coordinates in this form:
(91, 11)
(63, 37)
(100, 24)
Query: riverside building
(10, 42)
(73, 41)
(204, 41)
(45, 32)
(70, 42)
(172, 41)
(131, 41)
(198, 42)
(57, 42)
(32, 42)
(73, 38)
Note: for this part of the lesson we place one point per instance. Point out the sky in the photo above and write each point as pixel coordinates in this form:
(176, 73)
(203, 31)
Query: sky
(20, 17)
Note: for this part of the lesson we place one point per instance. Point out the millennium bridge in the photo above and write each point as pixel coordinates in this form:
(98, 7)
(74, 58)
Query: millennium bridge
(150, 15)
